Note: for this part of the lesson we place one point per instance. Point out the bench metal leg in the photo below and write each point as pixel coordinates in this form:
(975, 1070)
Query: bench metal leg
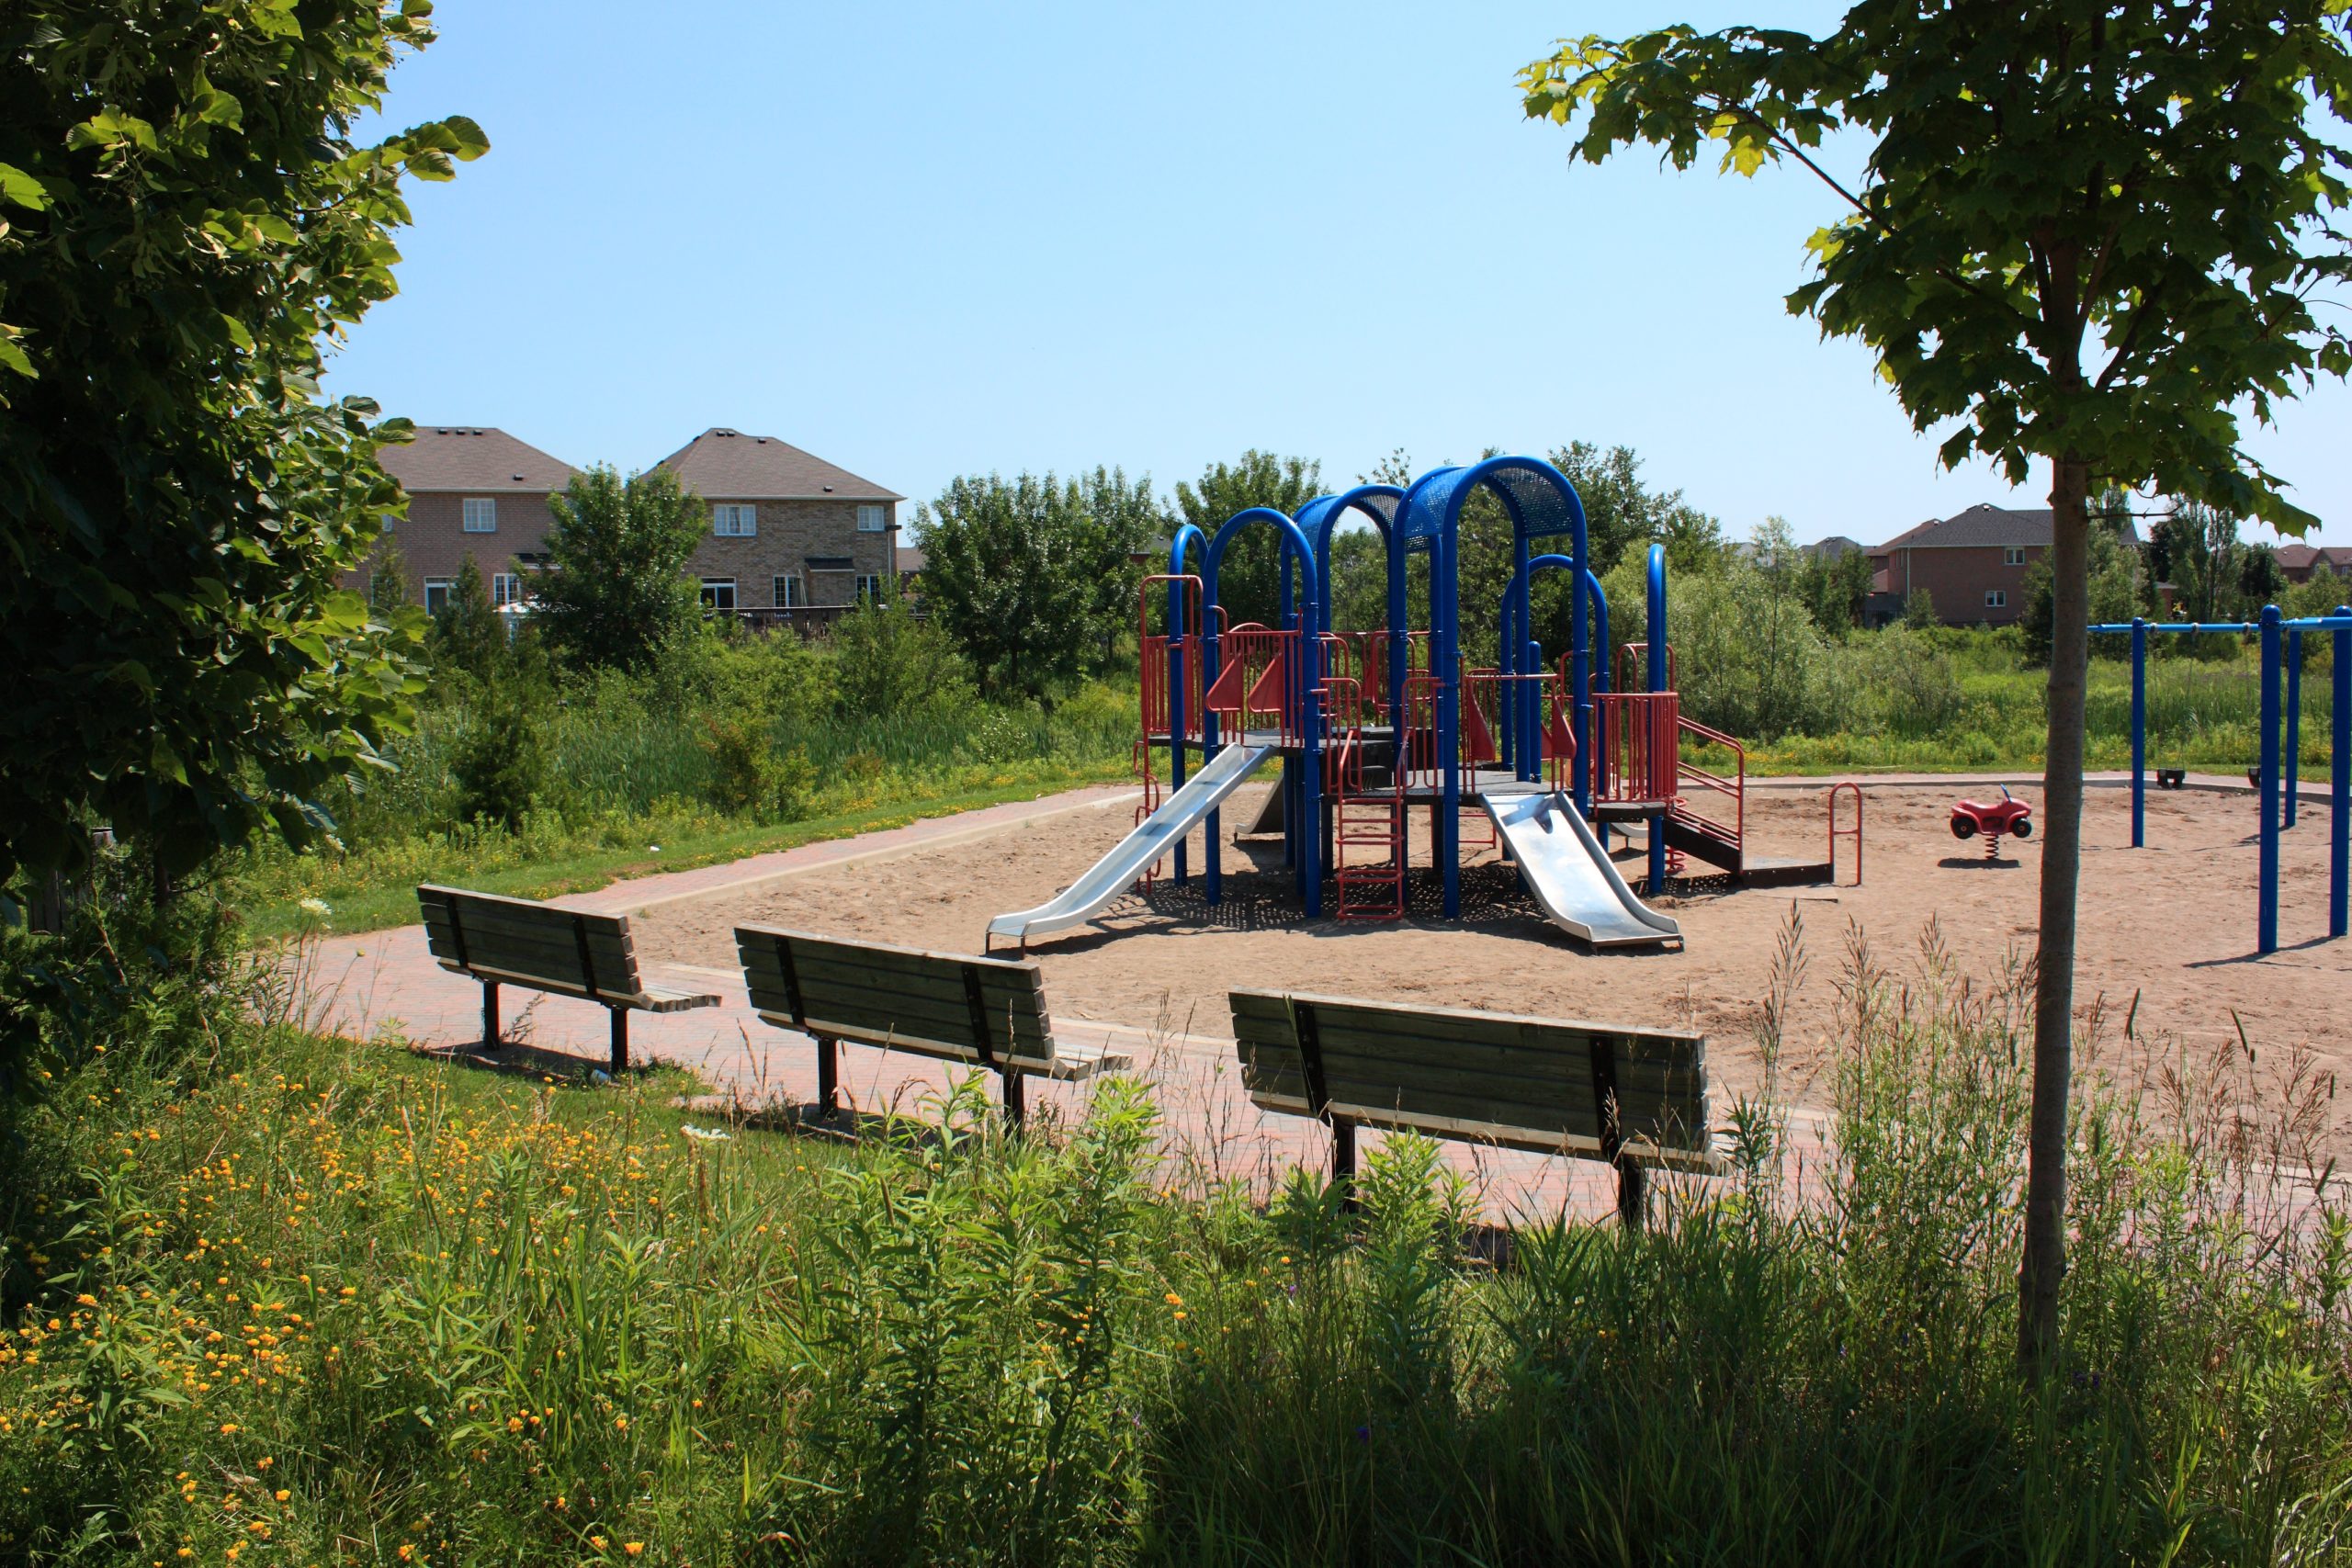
(620, 1039)
(828, 1078)
(490, 1039)
(1632, 1194)
(1343, 1160)
(1016, 1094)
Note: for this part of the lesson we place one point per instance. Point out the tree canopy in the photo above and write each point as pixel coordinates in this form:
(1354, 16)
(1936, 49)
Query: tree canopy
(2085, 233)
(184, 222)
(1249, 577)
(616, 591)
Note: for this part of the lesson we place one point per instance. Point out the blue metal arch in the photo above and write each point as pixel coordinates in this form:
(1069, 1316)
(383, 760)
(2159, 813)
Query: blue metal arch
(1514, 635)
(1303, 693)
(1541, 504)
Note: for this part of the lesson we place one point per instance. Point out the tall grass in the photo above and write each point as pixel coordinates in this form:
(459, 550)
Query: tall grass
(271, 1297)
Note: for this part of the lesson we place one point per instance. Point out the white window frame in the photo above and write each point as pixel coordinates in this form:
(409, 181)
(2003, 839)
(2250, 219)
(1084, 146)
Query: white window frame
(392, 522)
(437, 591)
(1996, 598)
(711, 587)
(735, 520)
(867, 588)
(2012, 554)
(482, 521)
(792, 594)
(506, 588)
(873, 517)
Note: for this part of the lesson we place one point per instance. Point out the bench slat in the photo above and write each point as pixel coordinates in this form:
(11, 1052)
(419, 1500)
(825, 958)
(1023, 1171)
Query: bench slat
(557, 947)
(489, 912)
(938, 992)
(903, 998)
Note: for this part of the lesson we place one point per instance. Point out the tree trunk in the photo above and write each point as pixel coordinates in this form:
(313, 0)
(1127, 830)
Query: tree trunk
(2062, 825)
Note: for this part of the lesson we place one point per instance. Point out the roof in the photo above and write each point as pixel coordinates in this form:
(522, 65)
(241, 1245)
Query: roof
(1979, 527)
(2299, 554)
(912, 558)
(478, 459)
(1832, 548)
(722, 464)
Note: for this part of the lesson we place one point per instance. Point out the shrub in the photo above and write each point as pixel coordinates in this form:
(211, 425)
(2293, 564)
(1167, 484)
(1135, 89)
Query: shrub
(888, 662)
(499, 765)
(750, 773)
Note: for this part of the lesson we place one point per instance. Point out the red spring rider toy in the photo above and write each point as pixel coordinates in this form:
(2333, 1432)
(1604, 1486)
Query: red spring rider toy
(1992, 818)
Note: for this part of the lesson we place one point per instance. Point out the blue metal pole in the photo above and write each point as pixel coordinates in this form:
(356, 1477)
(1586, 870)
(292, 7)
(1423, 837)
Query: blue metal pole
(1176, 651)
(2294, 774)
(1400, 649)
(1657, 679)
(1445, 663)
(2139, 733)
(1579, 693)
(2266, 915)
(2339, 777)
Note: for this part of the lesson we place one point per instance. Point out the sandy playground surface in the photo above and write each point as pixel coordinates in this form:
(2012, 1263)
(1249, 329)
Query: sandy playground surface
(2174, 923)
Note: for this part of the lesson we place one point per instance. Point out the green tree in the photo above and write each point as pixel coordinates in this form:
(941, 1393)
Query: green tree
(1249, 578)
(185, 222)
(468, 634)
(887, 661)
(1836, 586)
(615, 593)
(388, 588)
(1127, 521)
(2088, 231)
(1013, 570)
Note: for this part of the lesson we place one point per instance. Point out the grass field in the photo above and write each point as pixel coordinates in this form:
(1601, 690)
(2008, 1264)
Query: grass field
(273, 1298)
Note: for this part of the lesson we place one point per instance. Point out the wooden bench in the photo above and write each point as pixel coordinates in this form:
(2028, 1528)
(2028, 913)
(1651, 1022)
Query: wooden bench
(567, 953)
(987, 1011)
(1635, 1098)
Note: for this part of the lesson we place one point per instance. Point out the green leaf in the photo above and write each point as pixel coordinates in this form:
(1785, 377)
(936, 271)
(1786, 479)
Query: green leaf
(22, 188)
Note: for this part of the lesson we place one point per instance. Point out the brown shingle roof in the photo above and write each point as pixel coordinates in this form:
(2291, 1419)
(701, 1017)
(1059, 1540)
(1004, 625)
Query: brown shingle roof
(1976, 528)
(725, 465)
(475, 458)
(2299, 554)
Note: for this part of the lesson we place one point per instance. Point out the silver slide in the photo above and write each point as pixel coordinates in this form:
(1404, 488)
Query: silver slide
(1117, 871)
(1572, 876)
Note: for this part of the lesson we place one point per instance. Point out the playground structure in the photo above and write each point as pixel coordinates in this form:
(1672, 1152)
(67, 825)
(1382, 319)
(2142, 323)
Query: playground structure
(2282, 667)
(1372, 727)
(1994, 818)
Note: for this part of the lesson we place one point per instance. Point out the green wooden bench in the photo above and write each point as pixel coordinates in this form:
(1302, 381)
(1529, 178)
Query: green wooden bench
(566, 953)
(987, 1011)
(1634, 1098)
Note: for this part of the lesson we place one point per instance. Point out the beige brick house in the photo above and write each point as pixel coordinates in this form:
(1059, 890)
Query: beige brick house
(788, 531)
(473, 490)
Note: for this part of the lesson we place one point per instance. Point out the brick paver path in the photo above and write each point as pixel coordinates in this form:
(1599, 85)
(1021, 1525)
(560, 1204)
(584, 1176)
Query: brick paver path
(384, 984)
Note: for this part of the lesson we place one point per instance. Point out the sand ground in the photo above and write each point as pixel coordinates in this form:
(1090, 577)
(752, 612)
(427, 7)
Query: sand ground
(2172, 925)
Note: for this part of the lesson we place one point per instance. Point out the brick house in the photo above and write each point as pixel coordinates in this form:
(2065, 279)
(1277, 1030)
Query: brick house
(2300, 562)
(789, 532)
(1973, 566)
(473, 490)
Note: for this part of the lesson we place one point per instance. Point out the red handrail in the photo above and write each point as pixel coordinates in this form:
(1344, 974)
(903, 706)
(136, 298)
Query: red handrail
(1735, 786)
(1854, 832)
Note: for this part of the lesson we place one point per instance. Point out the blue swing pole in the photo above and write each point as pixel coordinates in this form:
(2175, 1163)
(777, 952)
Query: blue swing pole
(2340, 775)
(2295, 773)
(2266, 912)
(2139, 733)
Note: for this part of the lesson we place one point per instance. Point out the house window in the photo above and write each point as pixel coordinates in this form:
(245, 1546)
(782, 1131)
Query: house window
(718, 593)
(735, 521)
(506, 588)
(788, 595)
(391, 520)
(1996, 599)
(869, 586)
(2013, 555)
(869, 519)
(480, 514)
(436, 594)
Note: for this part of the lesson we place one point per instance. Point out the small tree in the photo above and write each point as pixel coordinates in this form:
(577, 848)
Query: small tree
(1015, 574)
(2087, 232)
(186, 221)
(887, 661)
(389, 590)
(615, 593)
(1249, 577)
(468, 634)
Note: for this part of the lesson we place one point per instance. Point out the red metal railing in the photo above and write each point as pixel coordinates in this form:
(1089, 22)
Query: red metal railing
(1854, 832)
(1153, 650)
(1635, 750)
(1631, 660)
(1697, 784)
(1257, 686)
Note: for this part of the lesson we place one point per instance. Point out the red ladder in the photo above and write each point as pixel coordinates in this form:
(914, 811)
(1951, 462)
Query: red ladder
(1367, 826)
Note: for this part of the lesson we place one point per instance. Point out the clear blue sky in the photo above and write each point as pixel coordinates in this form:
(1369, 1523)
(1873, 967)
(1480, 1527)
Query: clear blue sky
(923, 239)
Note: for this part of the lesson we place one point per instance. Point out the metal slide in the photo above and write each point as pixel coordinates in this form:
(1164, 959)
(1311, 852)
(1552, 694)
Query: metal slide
(1117, 871)
(1571, 874)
